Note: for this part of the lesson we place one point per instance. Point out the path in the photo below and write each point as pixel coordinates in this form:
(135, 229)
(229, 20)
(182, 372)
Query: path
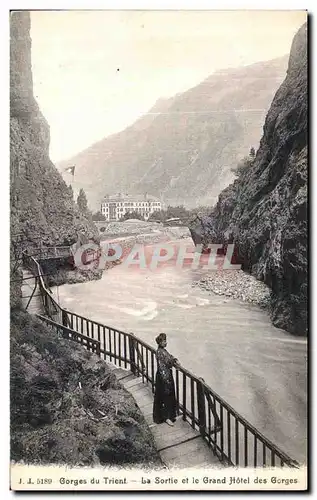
(36, 305)
(180, 446)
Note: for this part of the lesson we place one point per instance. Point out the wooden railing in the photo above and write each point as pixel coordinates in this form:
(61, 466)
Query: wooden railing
(44, 253)
(50, 307)
(230, 436)
(91, 345)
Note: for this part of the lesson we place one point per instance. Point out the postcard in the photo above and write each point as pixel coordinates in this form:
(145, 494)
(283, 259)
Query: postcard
(158, 250)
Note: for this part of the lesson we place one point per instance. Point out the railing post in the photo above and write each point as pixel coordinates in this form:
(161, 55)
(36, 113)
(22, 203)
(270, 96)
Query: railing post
(140, 362)
(132, 354)
(64, 318)
(44, 297)
(201, 407)
(98, 349)
(32, 294)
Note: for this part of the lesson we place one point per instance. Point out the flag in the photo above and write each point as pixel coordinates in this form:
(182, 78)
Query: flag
(70, 170)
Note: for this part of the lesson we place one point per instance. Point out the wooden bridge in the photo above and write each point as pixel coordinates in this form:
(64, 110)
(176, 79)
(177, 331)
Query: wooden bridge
(208, 431)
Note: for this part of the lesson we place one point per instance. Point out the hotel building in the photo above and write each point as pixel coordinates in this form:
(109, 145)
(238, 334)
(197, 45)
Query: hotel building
(114, 207)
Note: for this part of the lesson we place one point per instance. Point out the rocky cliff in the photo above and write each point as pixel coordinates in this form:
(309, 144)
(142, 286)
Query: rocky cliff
(42, 205)
(264, 211)
(182, 150)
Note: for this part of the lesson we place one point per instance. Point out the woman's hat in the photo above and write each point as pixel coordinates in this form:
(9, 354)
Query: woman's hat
(160, 338)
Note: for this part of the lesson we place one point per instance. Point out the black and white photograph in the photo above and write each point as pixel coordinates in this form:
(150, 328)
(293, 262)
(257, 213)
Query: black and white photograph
(158, 250)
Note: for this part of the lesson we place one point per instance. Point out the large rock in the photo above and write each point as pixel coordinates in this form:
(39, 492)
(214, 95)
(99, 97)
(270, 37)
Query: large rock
(264, 212)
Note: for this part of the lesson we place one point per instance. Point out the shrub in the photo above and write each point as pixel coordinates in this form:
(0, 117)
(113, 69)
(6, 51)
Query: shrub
(243, 166)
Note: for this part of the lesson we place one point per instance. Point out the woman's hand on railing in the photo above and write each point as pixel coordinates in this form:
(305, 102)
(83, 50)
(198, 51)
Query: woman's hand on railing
(176, 363)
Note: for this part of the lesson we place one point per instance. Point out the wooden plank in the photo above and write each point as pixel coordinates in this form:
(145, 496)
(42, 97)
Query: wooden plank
(167, 430)
(133, 385)
(126, 378)
(123, 375)
(192, 461)
(141, 398)
(145, 404)
(135, 381)
(170, 439)
(148, 419)
(136, 389)
(193, 453)
(141, 395)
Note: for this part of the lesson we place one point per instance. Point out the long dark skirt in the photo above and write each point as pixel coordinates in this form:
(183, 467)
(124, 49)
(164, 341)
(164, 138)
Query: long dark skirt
(164, 406)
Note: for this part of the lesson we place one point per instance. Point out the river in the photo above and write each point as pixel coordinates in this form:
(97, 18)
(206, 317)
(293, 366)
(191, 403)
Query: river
(258, 369)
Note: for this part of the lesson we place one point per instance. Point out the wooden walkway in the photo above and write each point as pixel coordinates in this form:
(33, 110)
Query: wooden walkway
(179, 446)
(36, 305)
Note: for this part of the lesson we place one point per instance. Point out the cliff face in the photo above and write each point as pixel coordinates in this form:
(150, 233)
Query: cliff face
(264, 212)
(184, 148)
(42, 205)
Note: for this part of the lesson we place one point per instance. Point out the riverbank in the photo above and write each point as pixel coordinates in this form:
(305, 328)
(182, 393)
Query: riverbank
(59, 273)
(236, 285)
(144, 232)
(148, 234)
(127, 235)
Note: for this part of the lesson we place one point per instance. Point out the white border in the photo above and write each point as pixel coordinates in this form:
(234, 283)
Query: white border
(4, 194)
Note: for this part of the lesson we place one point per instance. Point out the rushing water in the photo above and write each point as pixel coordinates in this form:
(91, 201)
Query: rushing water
(258, 369)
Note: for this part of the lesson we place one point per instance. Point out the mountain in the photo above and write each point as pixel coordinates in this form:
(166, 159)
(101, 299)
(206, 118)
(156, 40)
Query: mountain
(184, 148)
(264, 212)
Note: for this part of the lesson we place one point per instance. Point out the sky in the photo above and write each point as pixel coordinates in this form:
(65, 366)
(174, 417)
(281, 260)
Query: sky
(96, 72)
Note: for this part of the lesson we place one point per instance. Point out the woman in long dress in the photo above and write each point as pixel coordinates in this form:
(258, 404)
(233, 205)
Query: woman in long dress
(164, 407)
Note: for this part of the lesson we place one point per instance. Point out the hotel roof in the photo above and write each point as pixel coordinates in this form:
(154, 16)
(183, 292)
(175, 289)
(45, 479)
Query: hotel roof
(120, 197)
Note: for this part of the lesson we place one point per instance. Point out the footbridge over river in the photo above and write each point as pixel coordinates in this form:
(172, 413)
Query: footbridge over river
(208, 431)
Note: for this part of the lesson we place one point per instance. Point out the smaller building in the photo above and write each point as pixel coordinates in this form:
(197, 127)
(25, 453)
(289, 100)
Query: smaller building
(114, 207)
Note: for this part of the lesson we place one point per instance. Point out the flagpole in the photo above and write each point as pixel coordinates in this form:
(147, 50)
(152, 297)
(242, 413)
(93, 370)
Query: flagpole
(71, 170)
(73, 175)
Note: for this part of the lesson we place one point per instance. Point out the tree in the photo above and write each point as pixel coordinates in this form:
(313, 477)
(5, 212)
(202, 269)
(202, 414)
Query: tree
(252, 153)
(131, 215)
(98, 216)
(179, 211)
(243, 166)
(82, 201)
(170, 213)
(158, 215)
(70, 191)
